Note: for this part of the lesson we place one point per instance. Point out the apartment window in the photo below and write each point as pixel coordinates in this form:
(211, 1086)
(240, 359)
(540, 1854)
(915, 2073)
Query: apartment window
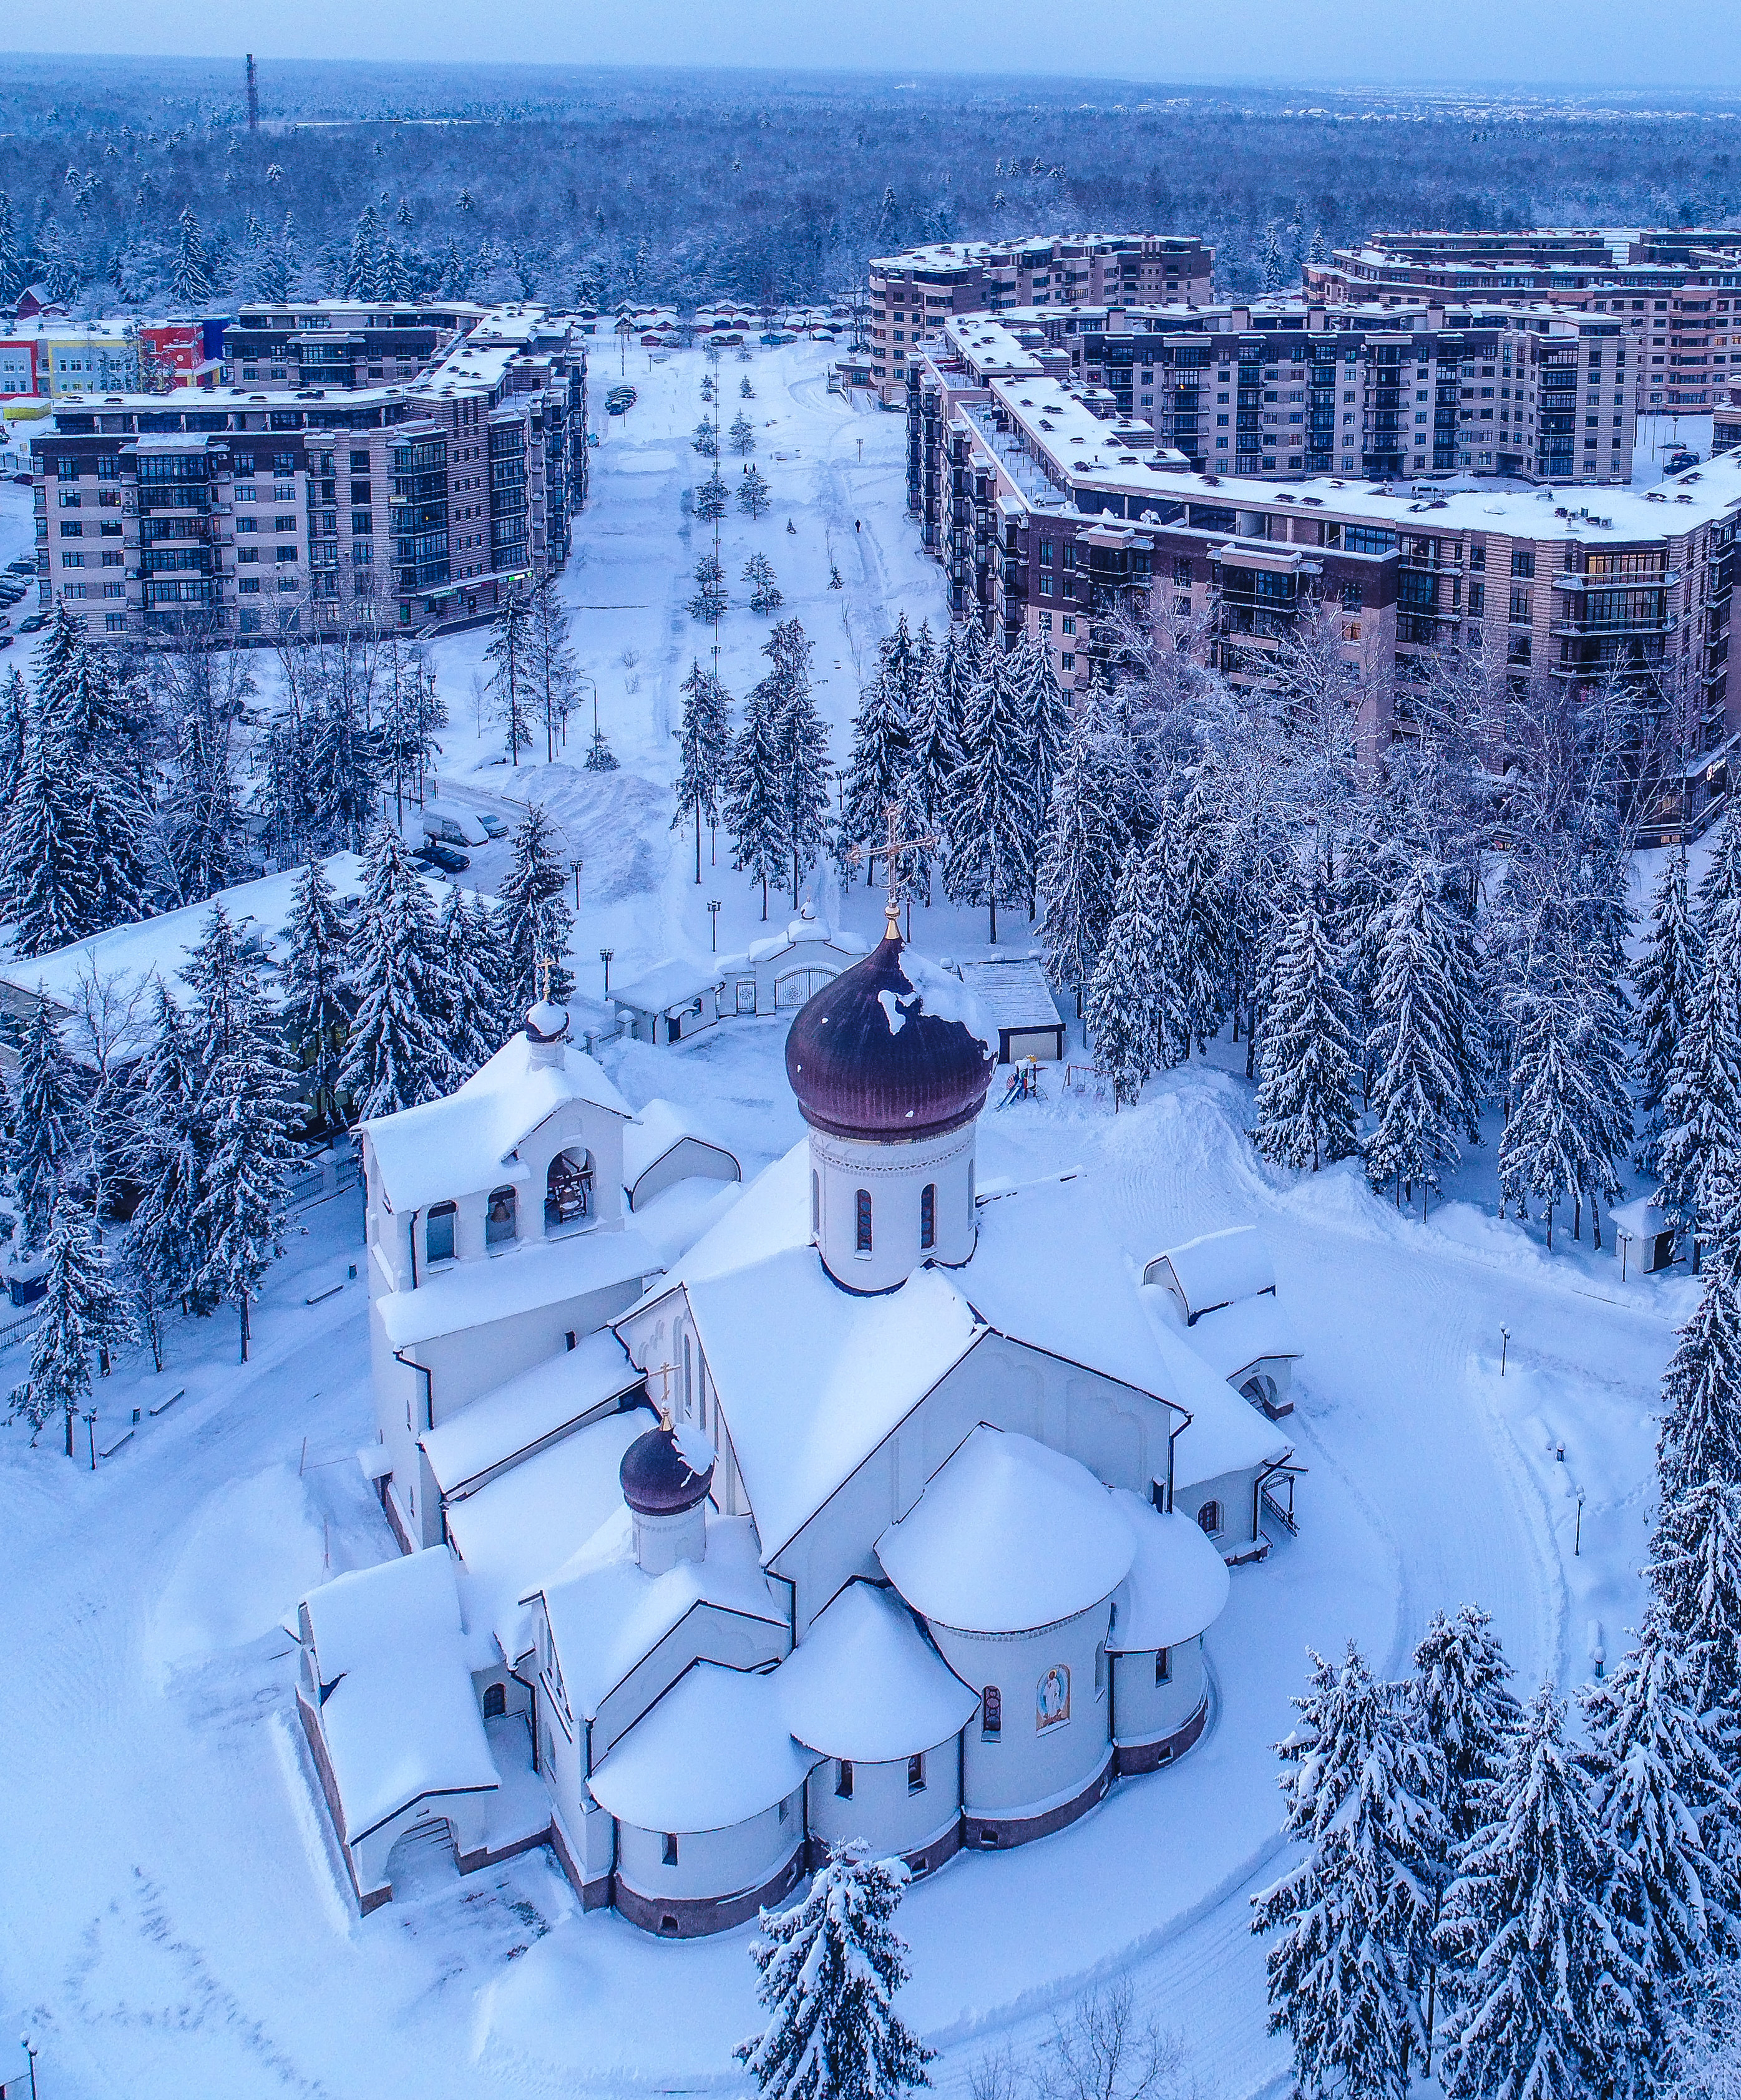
(916, 1774)
(1181, 568)
(73, 531)
(285, 553)
(72, 561)
(1520, 604)
(247, 524)
(863, 1222)
(1068, 624)
(1067, 662)
(114, 590)
(1478, 598)
(928, 1214)
(1353, 596)
(1523, 561)
(843, 1779)
(73, 590)
(991, 1714)
(115, 622)
(358, 462)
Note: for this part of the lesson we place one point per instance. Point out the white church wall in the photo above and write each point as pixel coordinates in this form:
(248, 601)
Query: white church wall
(710, 1863)
(467, 1817)
(1054, 1731)
(895, 1177)
(1144, 1711)
(689, 1158)
(884, 1808)
(705, 1634)
(1234, 1495)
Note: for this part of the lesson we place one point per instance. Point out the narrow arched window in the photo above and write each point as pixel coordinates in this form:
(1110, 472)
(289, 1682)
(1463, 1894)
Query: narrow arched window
(688, 1378)
(1209, 1517)
(439, 1233)
(928, 1214)
(864, 1221)
(815, 1202)
(495, 1701)
(992, 1714)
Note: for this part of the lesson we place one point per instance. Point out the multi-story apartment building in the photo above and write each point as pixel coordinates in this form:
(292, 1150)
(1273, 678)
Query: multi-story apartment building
(1050, 519)
(414, 506)
(50, 358)
(1678, 289)
(1726, 422)
(284, 346)
(914, 292)
(1286, 389)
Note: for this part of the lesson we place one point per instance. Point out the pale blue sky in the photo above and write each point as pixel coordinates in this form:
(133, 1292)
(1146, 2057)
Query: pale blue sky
(1621, 44)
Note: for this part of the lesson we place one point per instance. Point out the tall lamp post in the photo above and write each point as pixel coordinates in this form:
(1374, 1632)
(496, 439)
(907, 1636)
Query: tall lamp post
(604, 957)
(577, 865)
(29, 2048)
(713, 913)
(90, 1431)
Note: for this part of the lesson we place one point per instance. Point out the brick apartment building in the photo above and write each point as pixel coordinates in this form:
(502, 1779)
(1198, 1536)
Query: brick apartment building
(1048, 516)
(284, 346)
(912, 293)
(1726, 422)
(1679, 290)
(414, 506)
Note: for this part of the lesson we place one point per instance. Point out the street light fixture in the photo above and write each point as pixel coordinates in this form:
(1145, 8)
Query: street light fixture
(577, 865)
(604, 957)
(713, 913)
(90, 1431)
(29, 2048)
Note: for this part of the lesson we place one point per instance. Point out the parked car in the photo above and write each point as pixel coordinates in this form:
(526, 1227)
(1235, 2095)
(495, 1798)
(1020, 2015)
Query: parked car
(433, 853)
(24, 480)
(34, 624)
(26, 567)
(7, 640)
(494, 825)
(1679, 462)
(446, 823)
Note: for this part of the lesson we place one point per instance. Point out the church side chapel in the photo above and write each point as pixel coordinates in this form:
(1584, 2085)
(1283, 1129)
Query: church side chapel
(886, 1506)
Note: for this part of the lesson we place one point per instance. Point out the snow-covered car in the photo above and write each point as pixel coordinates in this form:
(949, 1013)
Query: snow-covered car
(435, 853)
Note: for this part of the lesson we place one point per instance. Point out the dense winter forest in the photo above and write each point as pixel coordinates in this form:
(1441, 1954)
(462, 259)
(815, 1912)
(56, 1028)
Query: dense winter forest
(568, 184)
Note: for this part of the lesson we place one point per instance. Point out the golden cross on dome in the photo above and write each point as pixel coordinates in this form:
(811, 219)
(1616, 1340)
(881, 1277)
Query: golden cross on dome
(546, 965)
(893, 848)
(665, 1371)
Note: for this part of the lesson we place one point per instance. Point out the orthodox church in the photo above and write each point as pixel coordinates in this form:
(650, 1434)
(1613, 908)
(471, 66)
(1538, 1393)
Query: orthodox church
(869, 1500)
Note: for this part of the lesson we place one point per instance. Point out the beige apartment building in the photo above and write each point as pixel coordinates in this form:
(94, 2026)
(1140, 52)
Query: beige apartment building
(417, 507)
(1049, 515)
(914, 292)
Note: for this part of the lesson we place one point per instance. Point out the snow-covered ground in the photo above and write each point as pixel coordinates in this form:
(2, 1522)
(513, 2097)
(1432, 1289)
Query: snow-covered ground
(173, 1918)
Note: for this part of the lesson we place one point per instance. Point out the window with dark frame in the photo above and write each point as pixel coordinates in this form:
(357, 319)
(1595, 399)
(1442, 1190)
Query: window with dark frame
(843, 1779)
(928, 1214)
(991, 1714)
(864, 1241)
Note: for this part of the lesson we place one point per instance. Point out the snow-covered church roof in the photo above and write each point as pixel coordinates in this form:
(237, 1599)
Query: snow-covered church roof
(714, 1751)
(464, 1143)
(865, 1684)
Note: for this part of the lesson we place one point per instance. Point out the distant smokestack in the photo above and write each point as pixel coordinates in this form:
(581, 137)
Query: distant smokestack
(254, 97)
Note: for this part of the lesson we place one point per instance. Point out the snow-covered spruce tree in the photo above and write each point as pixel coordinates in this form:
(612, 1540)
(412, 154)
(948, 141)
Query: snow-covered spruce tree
(312, 979)
(765, 595)
(469, 1024)
(755, 811)
(366, 243)
(1347, 1970)
(190, 279)
(1543, 1995)
(1700, 1437)
(753, 495)
(82, 1312)
(1667, 1806)
(916, 863)
(1560, 1141)
(1050, 719)
(712, 497)
(164, 1251)
(1202, 906)
(1304, 1114)
(535, 924)
(1464, 1709)
(599, 758)
(992, 825)
(704, 744)
(829, 1968)
(934, 731)
(881, 758)
(1416, 1092)
(15, 718)
(251, 1108)
(1163, 878)
(49, 1134)
(1695, 1571)
(554, 677)
(49, 884)
(705, 439)
(396, 1054)
(745, 390)
(510, 683)
(495, 964)
(1084, 850)
(743, 433)
(1698, 1156)
(98, 730)
(1120, 1008)
(801, 739)
(1665, 980)
(711, 600)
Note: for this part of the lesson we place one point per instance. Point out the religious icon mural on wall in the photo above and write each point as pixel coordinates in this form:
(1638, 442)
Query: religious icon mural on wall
(1051, 1698)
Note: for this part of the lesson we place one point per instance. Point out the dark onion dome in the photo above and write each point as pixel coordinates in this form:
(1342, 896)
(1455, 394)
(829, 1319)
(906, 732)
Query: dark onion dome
(546, 1022)
(657, 1480)
(868, 1056)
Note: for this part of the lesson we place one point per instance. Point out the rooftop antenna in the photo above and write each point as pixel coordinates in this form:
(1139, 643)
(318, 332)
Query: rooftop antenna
(254, 96)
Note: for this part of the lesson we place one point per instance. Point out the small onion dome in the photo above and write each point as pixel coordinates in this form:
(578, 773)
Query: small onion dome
(658, 1481)
(547, 1022)
(866, 1060)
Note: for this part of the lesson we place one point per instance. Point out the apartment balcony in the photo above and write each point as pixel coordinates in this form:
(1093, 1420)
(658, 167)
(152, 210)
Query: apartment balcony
(1570, 579)
(1665, 623)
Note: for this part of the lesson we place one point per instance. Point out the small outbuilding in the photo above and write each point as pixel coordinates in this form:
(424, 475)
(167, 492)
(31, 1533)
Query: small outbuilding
(1644, 1236)
(1019, 1000)
(675, 1000)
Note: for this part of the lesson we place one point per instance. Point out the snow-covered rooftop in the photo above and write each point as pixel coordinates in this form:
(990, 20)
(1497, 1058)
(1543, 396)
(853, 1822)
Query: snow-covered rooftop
(522, 1277)
(461, 1145)
(715, 1751)
(865, 1684)
(1014, 990)
(669, 984)
(1233, 1338)
(1216, 1269)
(1009, 1534)
(1178, 1582)
(528, 1410)
(659, 1127)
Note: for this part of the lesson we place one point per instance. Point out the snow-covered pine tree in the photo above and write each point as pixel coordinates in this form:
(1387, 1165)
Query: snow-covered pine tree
(801, 740)
(470, 1023)
(1698, 1156)
(1665, 980)
(366, 243)
(97, 732)
(712, 497)
(1700, 1437)
(190, 279)
(1163, 878)
(490, 954)
(510, 682)
(703, 749)
(934, 731)
(1667, 1806)
(554, 677)
(200, 817)
(992, 825)
(1304, 1114)
(1348, 1968)
(312, 979)
(50, 888)
(1202, 906)
(222, 972)
(765, 595)
(1543, 1995)
(14, 716)
(753, 494)
(1464, 1708)
(396, 1054)
(1120, 1008)
(705, 439)
(164, 1250)
(1416, 1091)
(755, 811)
(743, 433)
(1695, 1571)
(48, 1136)
(881, 756)
(83, 1312)
(1085, 843)
(251, 1108)
(1050, 718)
(535, 923)
(829, 1970)
(711, 600)
(1555, 1144)
(914, 873)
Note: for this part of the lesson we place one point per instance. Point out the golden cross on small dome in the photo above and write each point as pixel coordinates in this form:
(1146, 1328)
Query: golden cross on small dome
(546, 965)
(893, 848)
(665, 1371)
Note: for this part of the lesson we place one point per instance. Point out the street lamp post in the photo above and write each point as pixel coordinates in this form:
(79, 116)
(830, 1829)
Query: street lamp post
(604, 957)
(29, 2048)
(577, 865)
(713, 913)
(90, 1431)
